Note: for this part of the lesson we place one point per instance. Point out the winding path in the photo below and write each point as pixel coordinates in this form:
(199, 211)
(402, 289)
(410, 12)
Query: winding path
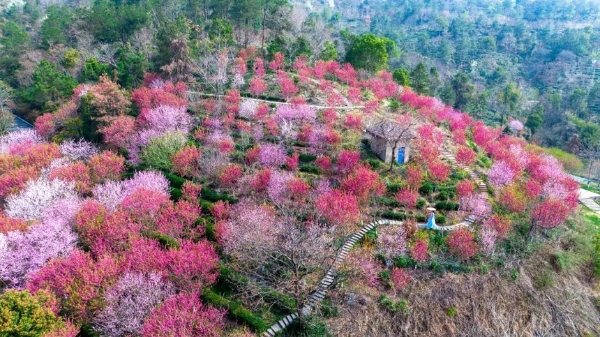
(319, 294)
(320, 107)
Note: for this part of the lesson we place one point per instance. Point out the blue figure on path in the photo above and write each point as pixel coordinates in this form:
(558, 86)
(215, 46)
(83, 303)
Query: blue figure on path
(431, 220)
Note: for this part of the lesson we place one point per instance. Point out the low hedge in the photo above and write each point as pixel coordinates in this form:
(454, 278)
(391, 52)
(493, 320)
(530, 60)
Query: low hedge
(214, 196)
(309, 168)
(393, 215)
(165, 240)
(235, 310)
(175, 180)
(307, 157)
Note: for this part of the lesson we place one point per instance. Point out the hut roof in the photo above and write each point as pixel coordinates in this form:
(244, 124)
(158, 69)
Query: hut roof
(390, 130)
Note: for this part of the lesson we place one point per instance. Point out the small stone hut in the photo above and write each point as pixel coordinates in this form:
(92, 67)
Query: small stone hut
(389, 140)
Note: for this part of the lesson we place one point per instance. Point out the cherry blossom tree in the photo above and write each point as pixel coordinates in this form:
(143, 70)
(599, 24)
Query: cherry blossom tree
(461, 243)
(337, 207)
(78, 150)
(465, 156)
(36, 197)
(400, 278)
(407, 197)
(129, 302)
(501, 174)
(186, 316)
(391, 241)
(347, 161)
(464, 188)
(477, 204)
(419, 250)
(76, 281)
(186, 161)
(272, 155)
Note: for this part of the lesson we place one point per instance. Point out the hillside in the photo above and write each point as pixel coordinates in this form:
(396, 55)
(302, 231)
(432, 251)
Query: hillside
(180, 180)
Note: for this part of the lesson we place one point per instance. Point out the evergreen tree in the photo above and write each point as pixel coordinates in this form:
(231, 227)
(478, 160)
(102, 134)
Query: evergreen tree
(419, 78)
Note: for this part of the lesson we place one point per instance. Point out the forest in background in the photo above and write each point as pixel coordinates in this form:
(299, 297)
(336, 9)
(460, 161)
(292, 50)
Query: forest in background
(531, 60)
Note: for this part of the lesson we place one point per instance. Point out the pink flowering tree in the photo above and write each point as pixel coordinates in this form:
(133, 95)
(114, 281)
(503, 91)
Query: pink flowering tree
(501, 174)
(477, 205)
(186, 316)
(76, 281)
(391, 241)
(419, 250)
(407, 197)
(465, 156)
(272, 155)
(129, 302)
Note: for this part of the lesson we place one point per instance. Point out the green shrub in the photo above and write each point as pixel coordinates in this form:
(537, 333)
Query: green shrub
(159, 151)
(421, 203)
(451, 312)
(165, 240)
(421, 217)
(307, 157)
(389, 202)
(393, 187)
(447, 205)
(309, 168)
(404, 261)
(328, 309)
(235, 310)
(26, 314)
(400, 306)
(384, 275)
(440, 219)
(206, 205)
(282, 303)
(176, 194)
(374, 163)
(427, 187)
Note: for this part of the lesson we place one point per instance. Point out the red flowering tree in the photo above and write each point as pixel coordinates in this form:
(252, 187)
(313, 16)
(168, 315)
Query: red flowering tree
(461, 243)
(464, 188)
(439, 170)
(407, 197)
(186, 162)
(419, 250)
(337, 207)
(363, 183)
(465, 156)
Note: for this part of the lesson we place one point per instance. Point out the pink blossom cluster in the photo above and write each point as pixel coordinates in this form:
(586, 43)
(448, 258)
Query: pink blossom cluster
(391, 241)
(477, 205)
(501, 174)
(78, 150)
(298, 113)
(112, 193)
(129, 302)
(272, 155)
(17, 142)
